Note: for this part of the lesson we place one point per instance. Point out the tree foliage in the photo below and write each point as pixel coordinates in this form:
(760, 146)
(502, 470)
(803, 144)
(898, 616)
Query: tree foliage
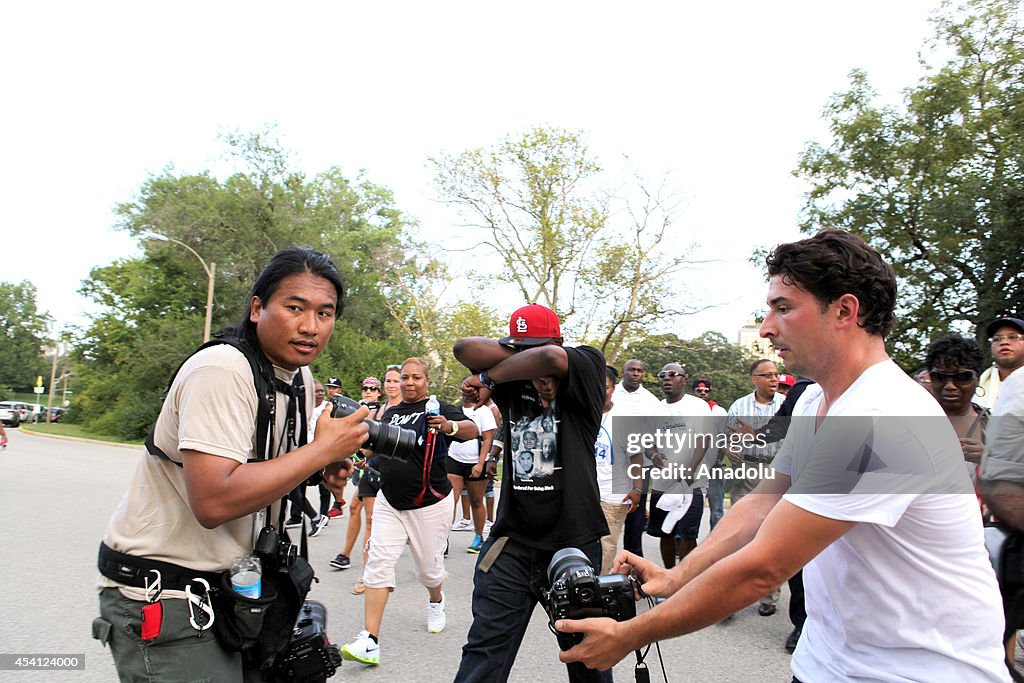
(155, 304)
(22, 331)
(599, 261)
(936, 184)
(709, 355)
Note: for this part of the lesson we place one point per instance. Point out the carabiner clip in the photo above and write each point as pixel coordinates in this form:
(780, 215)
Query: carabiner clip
(154, 590)
(204, 604)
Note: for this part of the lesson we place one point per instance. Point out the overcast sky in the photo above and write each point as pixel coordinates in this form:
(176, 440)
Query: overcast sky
(722, 96)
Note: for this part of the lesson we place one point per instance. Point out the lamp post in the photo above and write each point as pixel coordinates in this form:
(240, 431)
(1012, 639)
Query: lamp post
(211, 271)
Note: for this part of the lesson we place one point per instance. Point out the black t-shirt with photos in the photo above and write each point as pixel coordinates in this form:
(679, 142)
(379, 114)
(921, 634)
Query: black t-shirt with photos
(423, 480)
(549, 494)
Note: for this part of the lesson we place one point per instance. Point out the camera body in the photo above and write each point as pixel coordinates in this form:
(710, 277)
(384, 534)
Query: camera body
(273, 550)
(310, 657)
(391, 441)
(577, 593)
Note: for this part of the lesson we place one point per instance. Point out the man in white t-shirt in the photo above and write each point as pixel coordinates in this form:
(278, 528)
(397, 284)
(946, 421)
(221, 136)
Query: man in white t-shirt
(632, 399)
(616, 501)
(686, 416)
(869, 495)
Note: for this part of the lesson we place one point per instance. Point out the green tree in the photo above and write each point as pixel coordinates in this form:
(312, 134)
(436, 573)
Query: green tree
(154, 305)
(709, 355)
(936, 184)
(22, 331)
(599, 261)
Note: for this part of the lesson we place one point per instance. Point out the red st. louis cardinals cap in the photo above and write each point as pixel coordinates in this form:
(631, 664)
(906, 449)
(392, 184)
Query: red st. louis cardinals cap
(532, 325)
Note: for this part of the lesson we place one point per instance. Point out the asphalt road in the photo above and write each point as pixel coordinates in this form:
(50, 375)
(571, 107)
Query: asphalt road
(56, 496)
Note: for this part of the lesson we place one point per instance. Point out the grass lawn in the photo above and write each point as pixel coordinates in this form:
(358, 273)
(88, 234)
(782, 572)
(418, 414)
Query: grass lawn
(67, 429)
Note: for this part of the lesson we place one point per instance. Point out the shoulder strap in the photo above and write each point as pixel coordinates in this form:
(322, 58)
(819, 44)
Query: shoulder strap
(263, 378)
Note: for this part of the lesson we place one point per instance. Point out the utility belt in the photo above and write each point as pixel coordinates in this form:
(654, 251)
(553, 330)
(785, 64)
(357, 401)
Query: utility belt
(137, 572)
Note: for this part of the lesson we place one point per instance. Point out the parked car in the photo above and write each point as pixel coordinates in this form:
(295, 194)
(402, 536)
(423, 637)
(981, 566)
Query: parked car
(10, 414)
(25, 410)
(38, 412)
(56, 413)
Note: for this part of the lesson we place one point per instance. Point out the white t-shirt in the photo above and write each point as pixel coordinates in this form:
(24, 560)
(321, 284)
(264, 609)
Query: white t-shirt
(1004, 448)
(697, 414)
(604, 457)
(634, 403)
(469, 451)
(908, 594)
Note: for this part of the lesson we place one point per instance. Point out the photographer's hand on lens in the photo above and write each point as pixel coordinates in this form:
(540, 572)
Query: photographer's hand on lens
(655, 581)
(343, 436)
(605, 641)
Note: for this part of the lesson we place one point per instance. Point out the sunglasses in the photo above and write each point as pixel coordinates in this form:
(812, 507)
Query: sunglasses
(766, 374)
(369, 388)
(702, 390)
(670, 373)
(961, 378)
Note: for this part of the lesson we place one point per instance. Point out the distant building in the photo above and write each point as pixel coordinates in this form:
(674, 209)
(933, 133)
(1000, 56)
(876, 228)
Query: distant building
(749, 338)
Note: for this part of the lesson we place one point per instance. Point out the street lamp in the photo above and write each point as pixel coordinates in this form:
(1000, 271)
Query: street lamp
(211, 270)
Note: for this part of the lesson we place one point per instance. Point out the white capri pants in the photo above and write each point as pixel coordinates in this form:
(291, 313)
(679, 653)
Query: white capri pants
(424, 530)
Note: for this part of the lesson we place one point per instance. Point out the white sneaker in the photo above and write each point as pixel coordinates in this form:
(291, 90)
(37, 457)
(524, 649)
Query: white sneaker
(435, 616)
(362, 649)
(487, 527)
(462, 525)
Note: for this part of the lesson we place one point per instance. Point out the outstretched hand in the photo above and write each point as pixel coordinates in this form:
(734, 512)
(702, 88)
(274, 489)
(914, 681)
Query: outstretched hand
(604, 642)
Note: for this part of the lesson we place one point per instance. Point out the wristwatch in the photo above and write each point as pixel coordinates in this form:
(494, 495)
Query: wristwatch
(455, 429)
(486, 381)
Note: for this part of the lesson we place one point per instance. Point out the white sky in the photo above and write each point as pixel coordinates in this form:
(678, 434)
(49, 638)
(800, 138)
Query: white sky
(96, 96)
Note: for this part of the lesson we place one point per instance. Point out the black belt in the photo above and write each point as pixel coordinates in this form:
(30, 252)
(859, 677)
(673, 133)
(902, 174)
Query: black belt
(134, 571)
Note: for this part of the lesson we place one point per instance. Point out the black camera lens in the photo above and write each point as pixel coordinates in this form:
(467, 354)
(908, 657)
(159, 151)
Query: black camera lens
(565, 560)
(388, 440)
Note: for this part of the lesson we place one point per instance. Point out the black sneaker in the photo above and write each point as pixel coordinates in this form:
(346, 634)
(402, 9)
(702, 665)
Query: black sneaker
(793, 639)
(341, 562)
(318, 525)
(292, 523)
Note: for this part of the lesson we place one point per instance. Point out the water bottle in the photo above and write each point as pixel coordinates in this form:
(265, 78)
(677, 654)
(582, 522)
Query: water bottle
(245, 576)
(433, 407)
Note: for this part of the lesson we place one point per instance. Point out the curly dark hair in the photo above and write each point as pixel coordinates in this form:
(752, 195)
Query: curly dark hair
(834, 263)
(954, 351)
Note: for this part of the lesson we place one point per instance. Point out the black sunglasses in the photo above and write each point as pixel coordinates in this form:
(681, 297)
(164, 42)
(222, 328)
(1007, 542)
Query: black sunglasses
(703, 390)
(670, 373)
(962, 377)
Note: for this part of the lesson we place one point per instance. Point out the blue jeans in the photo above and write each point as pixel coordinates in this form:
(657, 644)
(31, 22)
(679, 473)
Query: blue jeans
(504, 598)
(716, 500)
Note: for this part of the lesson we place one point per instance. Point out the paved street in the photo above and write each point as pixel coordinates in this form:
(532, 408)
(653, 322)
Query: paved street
(56, 496)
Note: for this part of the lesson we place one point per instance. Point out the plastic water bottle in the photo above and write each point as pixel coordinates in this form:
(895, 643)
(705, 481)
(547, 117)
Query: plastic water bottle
(246, 574)
(433, 407)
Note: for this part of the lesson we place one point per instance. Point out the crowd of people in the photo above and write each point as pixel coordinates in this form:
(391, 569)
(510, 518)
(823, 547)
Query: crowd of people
(547, 425)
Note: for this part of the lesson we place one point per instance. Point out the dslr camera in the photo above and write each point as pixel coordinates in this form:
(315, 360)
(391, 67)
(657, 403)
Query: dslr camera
(391, 441)
(273, 550)
(577, 593)
(310, 657)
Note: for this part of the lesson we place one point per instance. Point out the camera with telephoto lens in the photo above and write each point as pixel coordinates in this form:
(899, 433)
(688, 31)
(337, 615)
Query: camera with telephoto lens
(273, 550)
(577, 593)
(391, 441)
(310, 657)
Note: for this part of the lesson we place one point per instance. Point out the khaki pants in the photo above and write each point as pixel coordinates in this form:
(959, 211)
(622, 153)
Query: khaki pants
(615, 515)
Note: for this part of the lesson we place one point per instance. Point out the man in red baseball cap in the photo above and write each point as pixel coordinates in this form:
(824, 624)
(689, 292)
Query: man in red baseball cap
(551, 399)
(786, 383)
